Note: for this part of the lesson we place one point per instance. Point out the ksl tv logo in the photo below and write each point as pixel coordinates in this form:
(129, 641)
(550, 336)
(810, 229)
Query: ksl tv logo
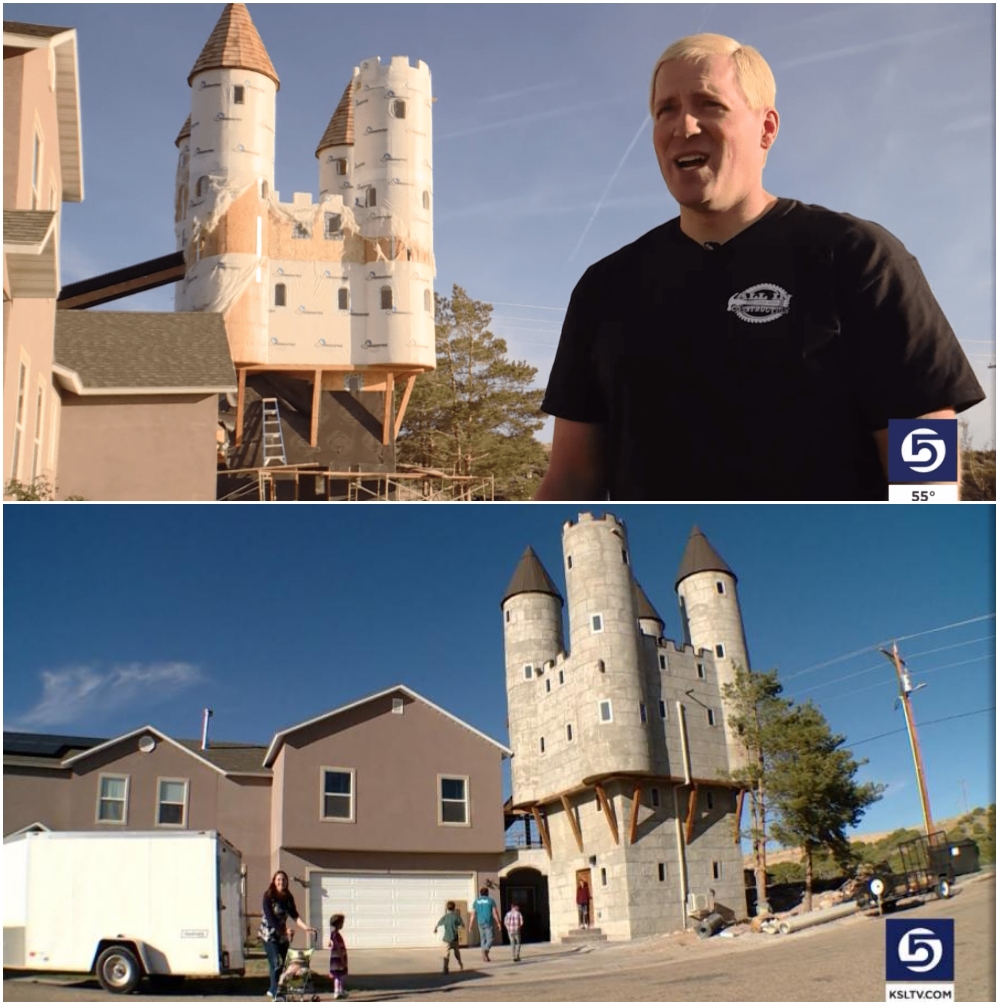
(923, 450)
(920, 951)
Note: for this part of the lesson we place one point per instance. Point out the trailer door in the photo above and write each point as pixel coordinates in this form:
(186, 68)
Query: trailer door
(230, 908)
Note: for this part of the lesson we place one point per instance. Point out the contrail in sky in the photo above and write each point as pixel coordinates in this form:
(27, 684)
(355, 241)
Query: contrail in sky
(607, 188)
(531, 89)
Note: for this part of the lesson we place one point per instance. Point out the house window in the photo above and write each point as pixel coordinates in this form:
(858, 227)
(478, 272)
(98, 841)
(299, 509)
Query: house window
(663, 662)
(427, 301)
(661, 871)
(541, 745)
(112, 799)
(709, 800)
(301, 231)
(36, 171)
(338, 794)
(387, 298)
(397, 108)
(720, 587)
(370, 197)
(279, 294)
(562, 677)
(340, 166)
(36, 454)
(53, 430)
(596, 623)
(334, 229)
(426, 199)
(569, 731)
(604, 877)
(343, 299)
(238, 94)
(642, 712)
(529, 672)
(604, 711)
(397, 706)
(22, 390)
(701, 671)
(716, 870)
(654, 796)
(720, 650)
(711, 717)
(454, 804)
(171, 803)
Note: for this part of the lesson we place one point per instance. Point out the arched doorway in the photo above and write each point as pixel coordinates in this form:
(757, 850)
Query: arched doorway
(529, 888)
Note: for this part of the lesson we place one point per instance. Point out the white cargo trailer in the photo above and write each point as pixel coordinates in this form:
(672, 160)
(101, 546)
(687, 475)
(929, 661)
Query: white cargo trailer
(123, 905)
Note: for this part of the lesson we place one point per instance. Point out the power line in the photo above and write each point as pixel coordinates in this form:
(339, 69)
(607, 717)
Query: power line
(876, 684)
(928, 723)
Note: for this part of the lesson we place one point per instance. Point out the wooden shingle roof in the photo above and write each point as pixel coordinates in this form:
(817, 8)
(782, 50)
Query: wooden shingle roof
(185, 131)
(235, 44)
(340, 131)
(27, 227)
(118, 352)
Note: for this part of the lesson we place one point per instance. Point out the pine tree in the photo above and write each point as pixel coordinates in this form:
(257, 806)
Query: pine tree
(477, 413)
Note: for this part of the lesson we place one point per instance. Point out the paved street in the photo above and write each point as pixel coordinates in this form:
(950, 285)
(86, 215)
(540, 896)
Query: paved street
(842, 961)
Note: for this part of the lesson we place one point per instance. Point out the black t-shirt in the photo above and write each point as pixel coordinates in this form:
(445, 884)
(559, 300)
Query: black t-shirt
(759, 368)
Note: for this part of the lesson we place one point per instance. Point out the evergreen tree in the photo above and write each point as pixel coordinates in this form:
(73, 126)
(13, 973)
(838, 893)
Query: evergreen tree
(477, 413)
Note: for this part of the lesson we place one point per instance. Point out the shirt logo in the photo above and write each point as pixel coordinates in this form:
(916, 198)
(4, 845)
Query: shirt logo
(760, 303)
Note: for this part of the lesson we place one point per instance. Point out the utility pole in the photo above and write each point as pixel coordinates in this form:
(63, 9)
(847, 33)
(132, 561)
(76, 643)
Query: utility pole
(905, 688)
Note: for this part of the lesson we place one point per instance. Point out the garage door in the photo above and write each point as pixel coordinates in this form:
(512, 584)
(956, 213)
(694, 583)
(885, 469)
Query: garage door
(387, 909)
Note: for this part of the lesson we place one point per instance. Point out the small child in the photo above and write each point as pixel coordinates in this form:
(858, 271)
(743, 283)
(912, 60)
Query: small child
(513, 922)
(338, 956)
(450, 923)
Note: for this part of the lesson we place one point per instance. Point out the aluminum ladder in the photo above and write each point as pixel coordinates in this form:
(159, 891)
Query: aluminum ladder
(273, 441)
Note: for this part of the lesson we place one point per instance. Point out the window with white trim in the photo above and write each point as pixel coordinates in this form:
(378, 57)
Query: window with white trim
(338, 794)
(397, 108)
(112, 799)
(340, 166)
(53, 430)
(36, 171)
(701, 671)
(171, 803)
(36, 454)
(711, 717)
(597, 623)
(529, 672)
(453, 806)
(238, 94)
(22, 391)
(604, 711)
(716, 870)
(720, 650)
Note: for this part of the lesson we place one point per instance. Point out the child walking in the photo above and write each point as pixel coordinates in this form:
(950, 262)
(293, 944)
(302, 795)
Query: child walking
(513, 922)
(449, 924)
(338, 956)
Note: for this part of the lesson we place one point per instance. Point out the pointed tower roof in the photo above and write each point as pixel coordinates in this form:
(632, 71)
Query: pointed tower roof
(235, 44)
(185, 131)
(340, 131)
(643, 606)
(530, 578)
(699, 557)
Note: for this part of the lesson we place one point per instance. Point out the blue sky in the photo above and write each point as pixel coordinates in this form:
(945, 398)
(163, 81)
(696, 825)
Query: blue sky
(118, 617)
(543, 160)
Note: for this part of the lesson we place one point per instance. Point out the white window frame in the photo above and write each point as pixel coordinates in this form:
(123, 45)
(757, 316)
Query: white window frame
(53, 431)
(101, 798)
(528, 672)
(720, 650)
(350, 773)
(23, 370)
(160, 803)
(36, 452)
(712, 720)
(465, 801)
(239, 94)
(601, 703)
(700, 669)
(36, 166)
(598, 617)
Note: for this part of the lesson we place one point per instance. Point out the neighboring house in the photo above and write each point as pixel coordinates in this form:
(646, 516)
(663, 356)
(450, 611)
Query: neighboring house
(42, 168)
(620, 740)
(383, 809)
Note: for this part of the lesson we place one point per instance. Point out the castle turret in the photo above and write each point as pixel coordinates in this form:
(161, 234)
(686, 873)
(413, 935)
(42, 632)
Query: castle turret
(604, 643)
(335, 151)
(533, 637)
(710, 614)
(650, 622)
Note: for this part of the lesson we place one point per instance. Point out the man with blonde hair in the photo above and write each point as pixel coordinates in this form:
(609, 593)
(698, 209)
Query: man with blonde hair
(754, 347)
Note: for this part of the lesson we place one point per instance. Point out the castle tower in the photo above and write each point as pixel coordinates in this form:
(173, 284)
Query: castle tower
(604, 642)
(710, 614)
(335, 151)
(650, 622)
(533, 637)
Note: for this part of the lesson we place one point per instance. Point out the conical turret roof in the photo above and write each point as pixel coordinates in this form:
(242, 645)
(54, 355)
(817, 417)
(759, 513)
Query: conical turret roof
(699, 557)
(643, 606)
(340, 131)
(234, 44)
(530, 578)
(185, 131)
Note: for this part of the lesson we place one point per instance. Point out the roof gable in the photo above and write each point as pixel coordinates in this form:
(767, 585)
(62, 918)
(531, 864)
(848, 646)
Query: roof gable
(283, 735)
(84, 755)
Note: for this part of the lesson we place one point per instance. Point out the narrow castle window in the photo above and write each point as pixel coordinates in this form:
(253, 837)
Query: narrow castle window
(344, 304)
(654, 796)
(720, 650)
(279, 294)
(701, 671)
(508, 615)
(569, 562)
(624, 557)
(604, 877)
(397, 108)
(709, 800)
(529, 672)
(561, 677)
(720, 587)
(370, 197)
(238, 94)
(427, 301)
(263, 188)
(426, 198)
(340, 166)
(569, 731)
(663, 709)
(663, 662)
(716, 870)
(596, 623)
(711, 717)
(548, 686)
(387, 298)
(334, 226)
(604, 711)
(201, 187)
(541, 745)
(661, 871)
(642, 712)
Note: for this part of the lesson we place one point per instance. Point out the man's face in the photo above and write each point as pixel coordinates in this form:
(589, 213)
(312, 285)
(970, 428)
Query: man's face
(709, 143)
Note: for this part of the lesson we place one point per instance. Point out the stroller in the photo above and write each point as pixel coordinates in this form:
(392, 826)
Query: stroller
(296, 981)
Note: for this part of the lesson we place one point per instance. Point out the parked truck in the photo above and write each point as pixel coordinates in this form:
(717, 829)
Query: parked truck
(123, 906)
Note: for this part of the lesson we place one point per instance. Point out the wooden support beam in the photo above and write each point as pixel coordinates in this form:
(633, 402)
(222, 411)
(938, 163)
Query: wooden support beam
(241, 403)
(692, 807)
(571, 816)
(609, 811)
(411, 380)
(390, 386)
(633, 824)
(739, 815)
(314, 426)
(543, 829)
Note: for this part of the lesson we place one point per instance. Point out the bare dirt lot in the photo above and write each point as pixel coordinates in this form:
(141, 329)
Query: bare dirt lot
(842, 961)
